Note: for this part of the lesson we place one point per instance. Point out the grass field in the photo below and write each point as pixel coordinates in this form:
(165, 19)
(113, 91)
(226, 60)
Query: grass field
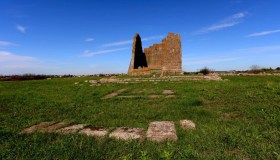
(235, 119)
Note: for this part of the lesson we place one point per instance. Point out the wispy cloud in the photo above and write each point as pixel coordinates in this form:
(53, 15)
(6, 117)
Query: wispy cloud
(89, 39)
(128, 42)
(225, 23)
(5, 43)
(119, 43)
(88, 53)
(263, 33)
(6, 56)
(261, 49)
(21, 28)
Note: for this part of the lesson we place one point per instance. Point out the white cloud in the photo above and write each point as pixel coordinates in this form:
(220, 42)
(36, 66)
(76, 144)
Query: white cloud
(11, 63)
(5, 43)
(88, 53)
(263, 33)
(127, 42)
(6, 56)
(89, 39)
(21, 28)
(261, 49)
(119, 43)
(225, 23)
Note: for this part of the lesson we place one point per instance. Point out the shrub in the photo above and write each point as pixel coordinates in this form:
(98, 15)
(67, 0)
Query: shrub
(205, 71)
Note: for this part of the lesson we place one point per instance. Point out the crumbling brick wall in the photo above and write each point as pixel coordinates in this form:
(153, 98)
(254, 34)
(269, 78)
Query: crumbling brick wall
(162, 58)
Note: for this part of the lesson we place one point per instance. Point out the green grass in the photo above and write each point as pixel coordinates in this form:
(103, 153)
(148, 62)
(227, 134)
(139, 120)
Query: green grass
(236, 119)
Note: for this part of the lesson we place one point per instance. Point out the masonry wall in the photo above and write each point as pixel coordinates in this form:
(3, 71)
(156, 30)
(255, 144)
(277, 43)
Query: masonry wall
(172, 54)
(162, 58)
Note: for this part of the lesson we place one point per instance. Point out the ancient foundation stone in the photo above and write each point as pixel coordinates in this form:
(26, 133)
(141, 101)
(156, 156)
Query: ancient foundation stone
(72, 129)
(162, 131)
(98, 132)
(37, 127)
(167, 91)
(158, 58)
(54, 127)
(111, 95)
(124, 133)
(155, 96)
(187, 124)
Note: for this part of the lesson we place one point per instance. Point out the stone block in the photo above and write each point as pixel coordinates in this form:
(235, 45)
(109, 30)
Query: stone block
(187, 124)
(72, 129)
(124, 133)
(162, 131)
(98, 132)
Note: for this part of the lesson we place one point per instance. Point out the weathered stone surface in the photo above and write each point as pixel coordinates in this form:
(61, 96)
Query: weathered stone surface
(155, 96)
(111, 95)
(93, 81)
(138, 60)
(98, 132)
(167, 91)
(130, 96)
(213, 76)
(162, 131)
(54, 127)
(72, 129)
(124, 133)
(109, 80)
(187, 124)
(37, 127)
(161, 58)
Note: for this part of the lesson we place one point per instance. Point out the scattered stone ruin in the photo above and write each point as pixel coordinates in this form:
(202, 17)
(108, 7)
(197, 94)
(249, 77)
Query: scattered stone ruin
(158, 58)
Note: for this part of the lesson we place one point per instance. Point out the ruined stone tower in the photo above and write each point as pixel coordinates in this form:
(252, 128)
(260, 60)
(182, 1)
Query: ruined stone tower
(158, 58)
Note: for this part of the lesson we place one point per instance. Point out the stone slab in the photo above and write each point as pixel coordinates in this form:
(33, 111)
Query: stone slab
(98, 132)
(187, 124)
(111, 95)
(167, 91)
(54, 127)
(162, 131)
(72, 129)
(129, 96)
(37, 127)
(155, 96)
(125, 133)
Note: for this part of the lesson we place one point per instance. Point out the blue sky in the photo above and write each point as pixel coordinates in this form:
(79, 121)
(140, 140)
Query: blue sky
(95, 36)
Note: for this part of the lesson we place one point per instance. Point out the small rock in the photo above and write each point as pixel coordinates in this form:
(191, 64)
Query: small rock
(76, 82)
(98, 132)
(162, 131)
(187, 124)
(124, 133)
